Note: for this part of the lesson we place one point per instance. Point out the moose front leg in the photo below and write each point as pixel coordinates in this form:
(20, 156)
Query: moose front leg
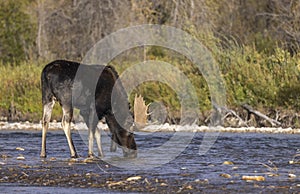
(98, 141)
(113, 143)
(91, 121)
(94, 132)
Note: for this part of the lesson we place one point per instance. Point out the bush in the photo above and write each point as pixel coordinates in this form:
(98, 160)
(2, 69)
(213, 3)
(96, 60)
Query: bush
(261, 79)
(17, 32)
(258, 78)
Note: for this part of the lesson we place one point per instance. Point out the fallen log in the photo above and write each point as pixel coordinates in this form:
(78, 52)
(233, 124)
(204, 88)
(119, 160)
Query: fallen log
(228, 112)
(220, 115)
(250, 110)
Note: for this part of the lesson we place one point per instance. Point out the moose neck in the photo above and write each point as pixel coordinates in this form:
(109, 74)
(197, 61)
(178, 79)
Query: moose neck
(121, 111)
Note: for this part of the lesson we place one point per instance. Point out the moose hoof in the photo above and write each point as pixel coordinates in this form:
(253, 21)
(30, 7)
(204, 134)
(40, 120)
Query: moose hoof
(130, 154)
(93, 157)
(43, 155)
(75, 156)
(113, 149)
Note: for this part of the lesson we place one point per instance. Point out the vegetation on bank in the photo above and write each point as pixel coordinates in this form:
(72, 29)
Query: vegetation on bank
(20, 91)
(255, 43)
(261, 79)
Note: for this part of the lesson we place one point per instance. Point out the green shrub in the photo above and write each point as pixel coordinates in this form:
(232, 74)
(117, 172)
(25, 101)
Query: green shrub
(17, 32)
(262, 79)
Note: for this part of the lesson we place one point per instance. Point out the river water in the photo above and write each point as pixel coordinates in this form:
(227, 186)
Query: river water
(164, 164)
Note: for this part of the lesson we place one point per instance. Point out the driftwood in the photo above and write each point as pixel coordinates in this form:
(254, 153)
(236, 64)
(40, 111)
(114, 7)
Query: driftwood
(231, 118)
(259, 114)
(229, 112)
(225, 113)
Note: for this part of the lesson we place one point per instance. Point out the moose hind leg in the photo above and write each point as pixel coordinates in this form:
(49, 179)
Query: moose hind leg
(47, 110)
(66, 124)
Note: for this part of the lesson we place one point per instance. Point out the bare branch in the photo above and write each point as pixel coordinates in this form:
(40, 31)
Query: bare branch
(259, 114)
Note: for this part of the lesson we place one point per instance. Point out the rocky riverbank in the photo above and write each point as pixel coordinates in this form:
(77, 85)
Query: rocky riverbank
(153, 128)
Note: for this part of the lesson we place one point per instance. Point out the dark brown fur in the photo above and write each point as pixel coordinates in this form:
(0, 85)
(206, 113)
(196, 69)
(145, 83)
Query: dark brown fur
(90, 91)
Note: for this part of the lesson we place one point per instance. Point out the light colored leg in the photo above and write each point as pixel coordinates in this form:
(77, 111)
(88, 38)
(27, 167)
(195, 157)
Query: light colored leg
(89, 122)
(98, 140)
(94, 133)
(91, 143)
(66, 124)
(47, 110)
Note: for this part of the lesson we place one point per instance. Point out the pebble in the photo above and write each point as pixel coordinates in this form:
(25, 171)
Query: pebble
(225, 175)
(20, 158)
(20, 148)
(292, 175)
(253, 178)
(134, 178)
(228, 163)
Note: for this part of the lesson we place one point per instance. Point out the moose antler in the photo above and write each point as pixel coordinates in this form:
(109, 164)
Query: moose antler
(140, 111)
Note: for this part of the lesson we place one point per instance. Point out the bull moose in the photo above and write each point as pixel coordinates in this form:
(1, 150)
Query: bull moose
(60, 83)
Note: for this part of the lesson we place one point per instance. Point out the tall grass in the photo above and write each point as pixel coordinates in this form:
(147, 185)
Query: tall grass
(262, 79)
(21, 88)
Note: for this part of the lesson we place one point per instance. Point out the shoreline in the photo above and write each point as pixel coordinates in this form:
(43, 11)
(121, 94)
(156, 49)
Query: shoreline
(6, 126)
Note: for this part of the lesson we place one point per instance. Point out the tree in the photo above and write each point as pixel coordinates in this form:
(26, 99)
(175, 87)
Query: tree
(17, 32)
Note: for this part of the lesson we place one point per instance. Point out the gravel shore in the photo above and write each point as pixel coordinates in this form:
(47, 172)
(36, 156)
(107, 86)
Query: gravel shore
(153, 128)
